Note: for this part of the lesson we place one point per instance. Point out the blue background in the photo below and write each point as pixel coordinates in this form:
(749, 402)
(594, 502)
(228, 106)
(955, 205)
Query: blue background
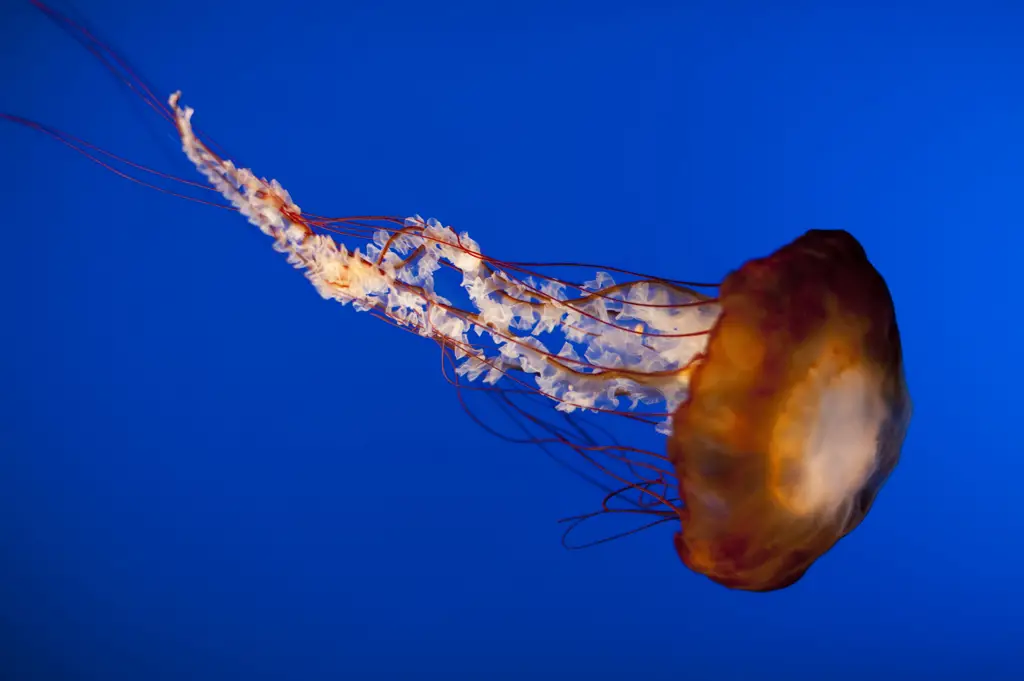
(181, 497)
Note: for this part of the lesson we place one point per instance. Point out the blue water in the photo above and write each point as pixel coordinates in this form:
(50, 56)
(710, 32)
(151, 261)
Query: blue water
(208, 472)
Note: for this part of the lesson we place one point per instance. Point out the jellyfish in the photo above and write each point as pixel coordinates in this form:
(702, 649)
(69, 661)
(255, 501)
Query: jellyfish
(779, 392)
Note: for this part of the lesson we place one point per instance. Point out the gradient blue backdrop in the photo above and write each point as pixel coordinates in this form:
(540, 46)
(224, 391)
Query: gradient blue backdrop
(182, 498)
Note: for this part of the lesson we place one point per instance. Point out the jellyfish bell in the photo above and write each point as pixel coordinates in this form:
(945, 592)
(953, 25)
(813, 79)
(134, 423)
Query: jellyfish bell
(780, 391)
(795, 415)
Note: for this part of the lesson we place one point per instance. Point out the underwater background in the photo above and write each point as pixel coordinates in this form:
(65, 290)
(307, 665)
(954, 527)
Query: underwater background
(208, 472)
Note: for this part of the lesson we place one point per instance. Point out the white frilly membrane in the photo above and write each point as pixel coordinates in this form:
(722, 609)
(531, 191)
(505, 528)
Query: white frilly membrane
(598, 346)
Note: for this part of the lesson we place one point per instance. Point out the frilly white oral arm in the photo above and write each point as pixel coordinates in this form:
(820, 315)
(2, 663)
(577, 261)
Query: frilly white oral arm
(628, 345)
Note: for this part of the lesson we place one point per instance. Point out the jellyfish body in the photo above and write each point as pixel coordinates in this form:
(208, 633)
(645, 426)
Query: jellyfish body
(782, 397)
(795, 416)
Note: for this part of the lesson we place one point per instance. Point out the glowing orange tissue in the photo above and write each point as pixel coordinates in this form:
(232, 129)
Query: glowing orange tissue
(795, 417)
